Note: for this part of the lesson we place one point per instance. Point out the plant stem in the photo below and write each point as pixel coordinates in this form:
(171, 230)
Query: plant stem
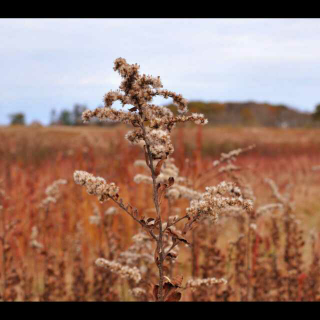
(157, 206)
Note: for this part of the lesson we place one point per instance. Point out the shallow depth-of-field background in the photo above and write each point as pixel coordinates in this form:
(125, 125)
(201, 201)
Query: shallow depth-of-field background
(32, 158)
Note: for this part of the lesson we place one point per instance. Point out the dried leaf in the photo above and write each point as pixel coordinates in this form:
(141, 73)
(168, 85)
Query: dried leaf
(155, 292)
(167, 289)
(156, 255)
(133, 109)
(150, 219)
(171, 181)
(171, 255)
(161, 191)
(158, 167)
(177, 280)
(174, 297)
(177, 236)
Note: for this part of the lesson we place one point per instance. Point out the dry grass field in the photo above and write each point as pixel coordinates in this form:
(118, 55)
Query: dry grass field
(48, 249)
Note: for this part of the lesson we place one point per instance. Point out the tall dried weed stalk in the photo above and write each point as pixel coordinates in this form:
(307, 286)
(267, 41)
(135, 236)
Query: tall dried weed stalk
(152, 128)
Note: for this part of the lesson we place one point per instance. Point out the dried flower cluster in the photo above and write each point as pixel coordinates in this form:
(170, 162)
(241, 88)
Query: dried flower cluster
(271, 207)
(230, 157)
(140, 250)
(195, 283)
(52, 192)
(214, 199)
(95, 218)
(139, 90)
(111, 211)
(138, 292)
(123, 271)
(34, 243)
(96, 185)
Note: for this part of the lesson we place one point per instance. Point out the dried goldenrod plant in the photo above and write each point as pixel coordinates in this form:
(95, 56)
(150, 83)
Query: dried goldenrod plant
(152, 128)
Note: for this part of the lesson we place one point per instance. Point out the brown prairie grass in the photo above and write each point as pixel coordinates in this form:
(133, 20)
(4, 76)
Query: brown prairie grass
(283, 261)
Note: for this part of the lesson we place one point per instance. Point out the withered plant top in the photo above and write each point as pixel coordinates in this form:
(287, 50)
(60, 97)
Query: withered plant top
(152, 121)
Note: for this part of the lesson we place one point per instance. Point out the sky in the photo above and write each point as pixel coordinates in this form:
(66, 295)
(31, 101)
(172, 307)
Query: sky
(50, 64)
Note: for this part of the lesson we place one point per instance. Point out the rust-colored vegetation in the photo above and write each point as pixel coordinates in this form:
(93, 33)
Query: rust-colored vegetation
(266, 256)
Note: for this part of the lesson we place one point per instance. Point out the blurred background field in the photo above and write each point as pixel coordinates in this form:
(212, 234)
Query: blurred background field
(32, 158)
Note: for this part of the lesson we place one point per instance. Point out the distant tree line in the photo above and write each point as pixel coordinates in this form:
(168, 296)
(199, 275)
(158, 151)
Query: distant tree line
(316, 114)
(74, 117)
(235, 113)
(17, 118)
(253, 114)
(67, 117)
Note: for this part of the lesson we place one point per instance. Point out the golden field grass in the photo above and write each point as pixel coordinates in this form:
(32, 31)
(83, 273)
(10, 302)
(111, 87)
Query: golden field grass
(32, 158)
